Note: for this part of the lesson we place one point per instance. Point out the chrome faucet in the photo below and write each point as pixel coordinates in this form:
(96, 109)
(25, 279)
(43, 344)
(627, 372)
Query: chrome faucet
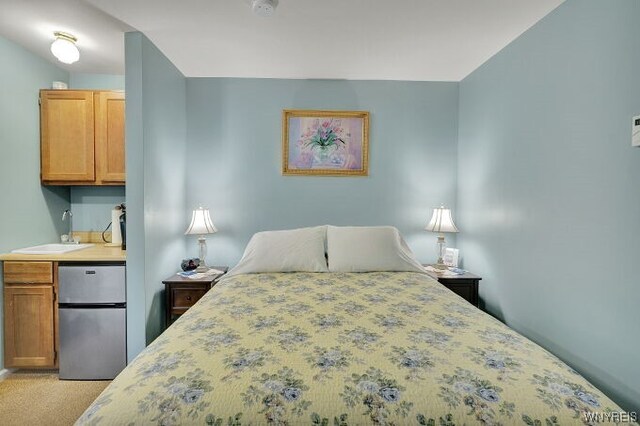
(69, 214)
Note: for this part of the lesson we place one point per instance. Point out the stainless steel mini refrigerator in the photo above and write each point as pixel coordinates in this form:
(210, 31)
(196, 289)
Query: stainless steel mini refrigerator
(92, 315)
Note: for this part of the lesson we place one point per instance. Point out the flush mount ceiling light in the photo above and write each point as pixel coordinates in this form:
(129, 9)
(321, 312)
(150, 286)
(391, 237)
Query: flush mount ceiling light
(264, 8)
(64, 47)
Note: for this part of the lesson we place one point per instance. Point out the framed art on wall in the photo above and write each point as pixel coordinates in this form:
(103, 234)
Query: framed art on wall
(325, 143)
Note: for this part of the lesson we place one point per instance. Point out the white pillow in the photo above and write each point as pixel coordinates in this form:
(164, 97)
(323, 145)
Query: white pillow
(368, 249)
(296, 250)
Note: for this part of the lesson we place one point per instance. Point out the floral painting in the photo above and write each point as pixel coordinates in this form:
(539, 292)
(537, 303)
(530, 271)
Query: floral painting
(325, 143)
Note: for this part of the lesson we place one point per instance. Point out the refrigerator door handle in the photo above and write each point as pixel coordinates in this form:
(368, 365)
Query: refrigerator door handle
(92, 305)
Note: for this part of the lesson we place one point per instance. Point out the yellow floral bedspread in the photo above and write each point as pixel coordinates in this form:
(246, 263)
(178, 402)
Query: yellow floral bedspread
(343, 349)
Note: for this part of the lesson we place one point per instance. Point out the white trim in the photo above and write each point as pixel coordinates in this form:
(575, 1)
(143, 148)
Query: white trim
(4, 373)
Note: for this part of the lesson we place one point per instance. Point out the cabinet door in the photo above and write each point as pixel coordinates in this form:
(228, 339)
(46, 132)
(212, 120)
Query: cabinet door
(67, 136)
(109, 120)
(28, 326)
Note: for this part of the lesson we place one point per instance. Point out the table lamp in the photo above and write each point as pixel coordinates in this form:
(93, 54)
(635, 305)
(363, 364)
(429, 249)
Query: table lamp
(201, 225)
(441, 222)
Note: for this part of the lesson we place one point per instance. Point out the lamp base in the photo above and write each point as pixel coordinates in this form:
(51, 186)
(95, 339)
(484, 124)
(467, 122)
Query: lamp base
(442, 245)
(203, 254)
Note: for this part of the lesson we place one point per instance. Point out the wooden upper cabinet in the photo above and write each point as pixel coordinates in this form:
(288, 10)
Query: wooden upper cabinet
(82, 137)
(29, 326)
(67, 136)
(110, 158)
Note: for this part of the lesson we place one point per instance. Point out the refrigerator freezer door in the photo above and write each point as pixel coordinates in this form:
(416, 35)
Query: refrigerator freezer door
(92, 343)
(92, 284)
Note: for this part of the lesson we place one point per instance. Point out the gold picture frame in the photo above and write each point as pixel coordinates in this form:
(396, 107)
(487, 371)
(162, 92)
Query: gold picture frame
(325, 143)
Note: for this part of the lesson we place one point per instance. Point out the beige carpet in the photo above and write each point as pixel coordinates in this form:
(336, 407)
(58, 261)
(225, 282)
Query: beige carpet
(39, 398)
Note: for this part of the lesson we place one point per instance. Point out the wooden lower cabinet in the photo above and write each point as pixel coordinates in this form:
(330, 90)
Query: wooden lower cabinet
(30, 315)
(28, 326)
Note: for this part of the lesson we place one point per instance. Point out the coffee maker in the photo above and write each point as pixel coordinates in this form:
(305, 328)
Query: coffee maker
(123, 226)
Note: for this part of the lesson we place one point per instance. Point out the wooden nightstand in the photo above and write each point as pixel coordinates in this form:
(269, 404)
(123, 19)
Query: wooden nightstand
(182, 293)
(465, 285)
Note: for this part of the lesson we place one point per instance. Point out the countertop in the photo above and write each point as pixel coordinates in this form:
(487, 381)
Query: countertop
(99, 252)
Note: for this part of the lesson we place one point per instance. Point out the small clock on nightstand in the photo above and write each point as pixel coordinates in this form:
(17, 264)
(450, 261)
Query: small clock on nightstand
(182, 293)
(465, 285)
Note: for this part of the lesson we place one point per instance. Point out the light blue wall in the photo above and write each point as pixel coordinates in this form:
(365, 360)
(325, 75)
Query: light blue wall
(156, 182)
(549, 199)
(231, 163)
(88, 81)
(234, 165)
(134, 136)
(30, 214)
(92, 206)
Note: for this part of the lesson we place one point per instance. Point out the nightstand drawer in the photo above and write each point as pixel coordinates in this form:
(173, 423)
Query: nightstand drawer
(465, 285)
(181, 293)
(184, 298)
(466, 291)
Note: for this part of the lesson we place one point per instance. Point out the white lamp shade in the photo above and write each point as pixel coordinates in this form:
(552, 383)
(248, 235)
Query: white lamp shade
(64, 48)
(201, 223)
(441, 221)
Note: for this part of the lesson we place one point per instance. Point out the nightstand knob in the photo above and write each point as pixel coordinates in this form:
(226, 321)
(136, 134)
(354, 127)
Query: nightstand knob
(189, 298)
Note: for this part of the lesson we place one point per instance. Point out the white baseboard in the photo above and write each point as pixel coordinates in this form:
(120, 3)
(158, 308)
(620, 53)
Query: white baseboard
(4, 373)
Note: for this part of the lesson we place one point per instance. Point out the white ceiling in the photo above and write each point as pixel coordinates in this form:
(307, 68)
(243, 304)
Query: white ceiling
(433, 40)
(31, 24)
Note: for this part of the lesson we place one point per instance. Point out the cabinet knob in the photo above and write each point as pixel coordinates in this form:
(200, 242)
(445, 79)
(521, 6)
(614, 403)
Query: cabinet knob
(189, 298)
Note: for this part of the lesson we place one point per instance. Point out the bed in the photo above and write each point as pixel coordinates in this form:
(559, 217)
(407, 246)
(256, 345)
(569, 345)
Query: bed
(343, 349)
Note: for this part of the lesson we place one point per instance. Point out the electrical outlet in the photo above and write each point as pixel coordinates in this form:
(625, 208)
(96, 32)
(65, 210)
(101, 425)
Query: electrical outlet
(635, 132)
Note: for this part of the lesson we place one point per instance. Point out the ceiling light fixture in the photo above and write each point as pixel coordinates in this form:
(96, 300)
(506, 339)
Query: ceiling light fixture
(264, 8)
(64, 47)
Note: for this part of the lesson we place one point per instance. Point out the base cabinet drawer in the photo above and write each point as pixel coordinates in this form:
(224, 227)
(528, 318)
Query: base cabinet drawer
(29, 326)
(28, 272)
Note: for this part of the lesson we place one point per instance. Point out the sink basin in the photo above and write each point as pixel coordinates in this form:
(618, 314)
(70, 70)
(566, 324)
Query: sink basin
(52, 249)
